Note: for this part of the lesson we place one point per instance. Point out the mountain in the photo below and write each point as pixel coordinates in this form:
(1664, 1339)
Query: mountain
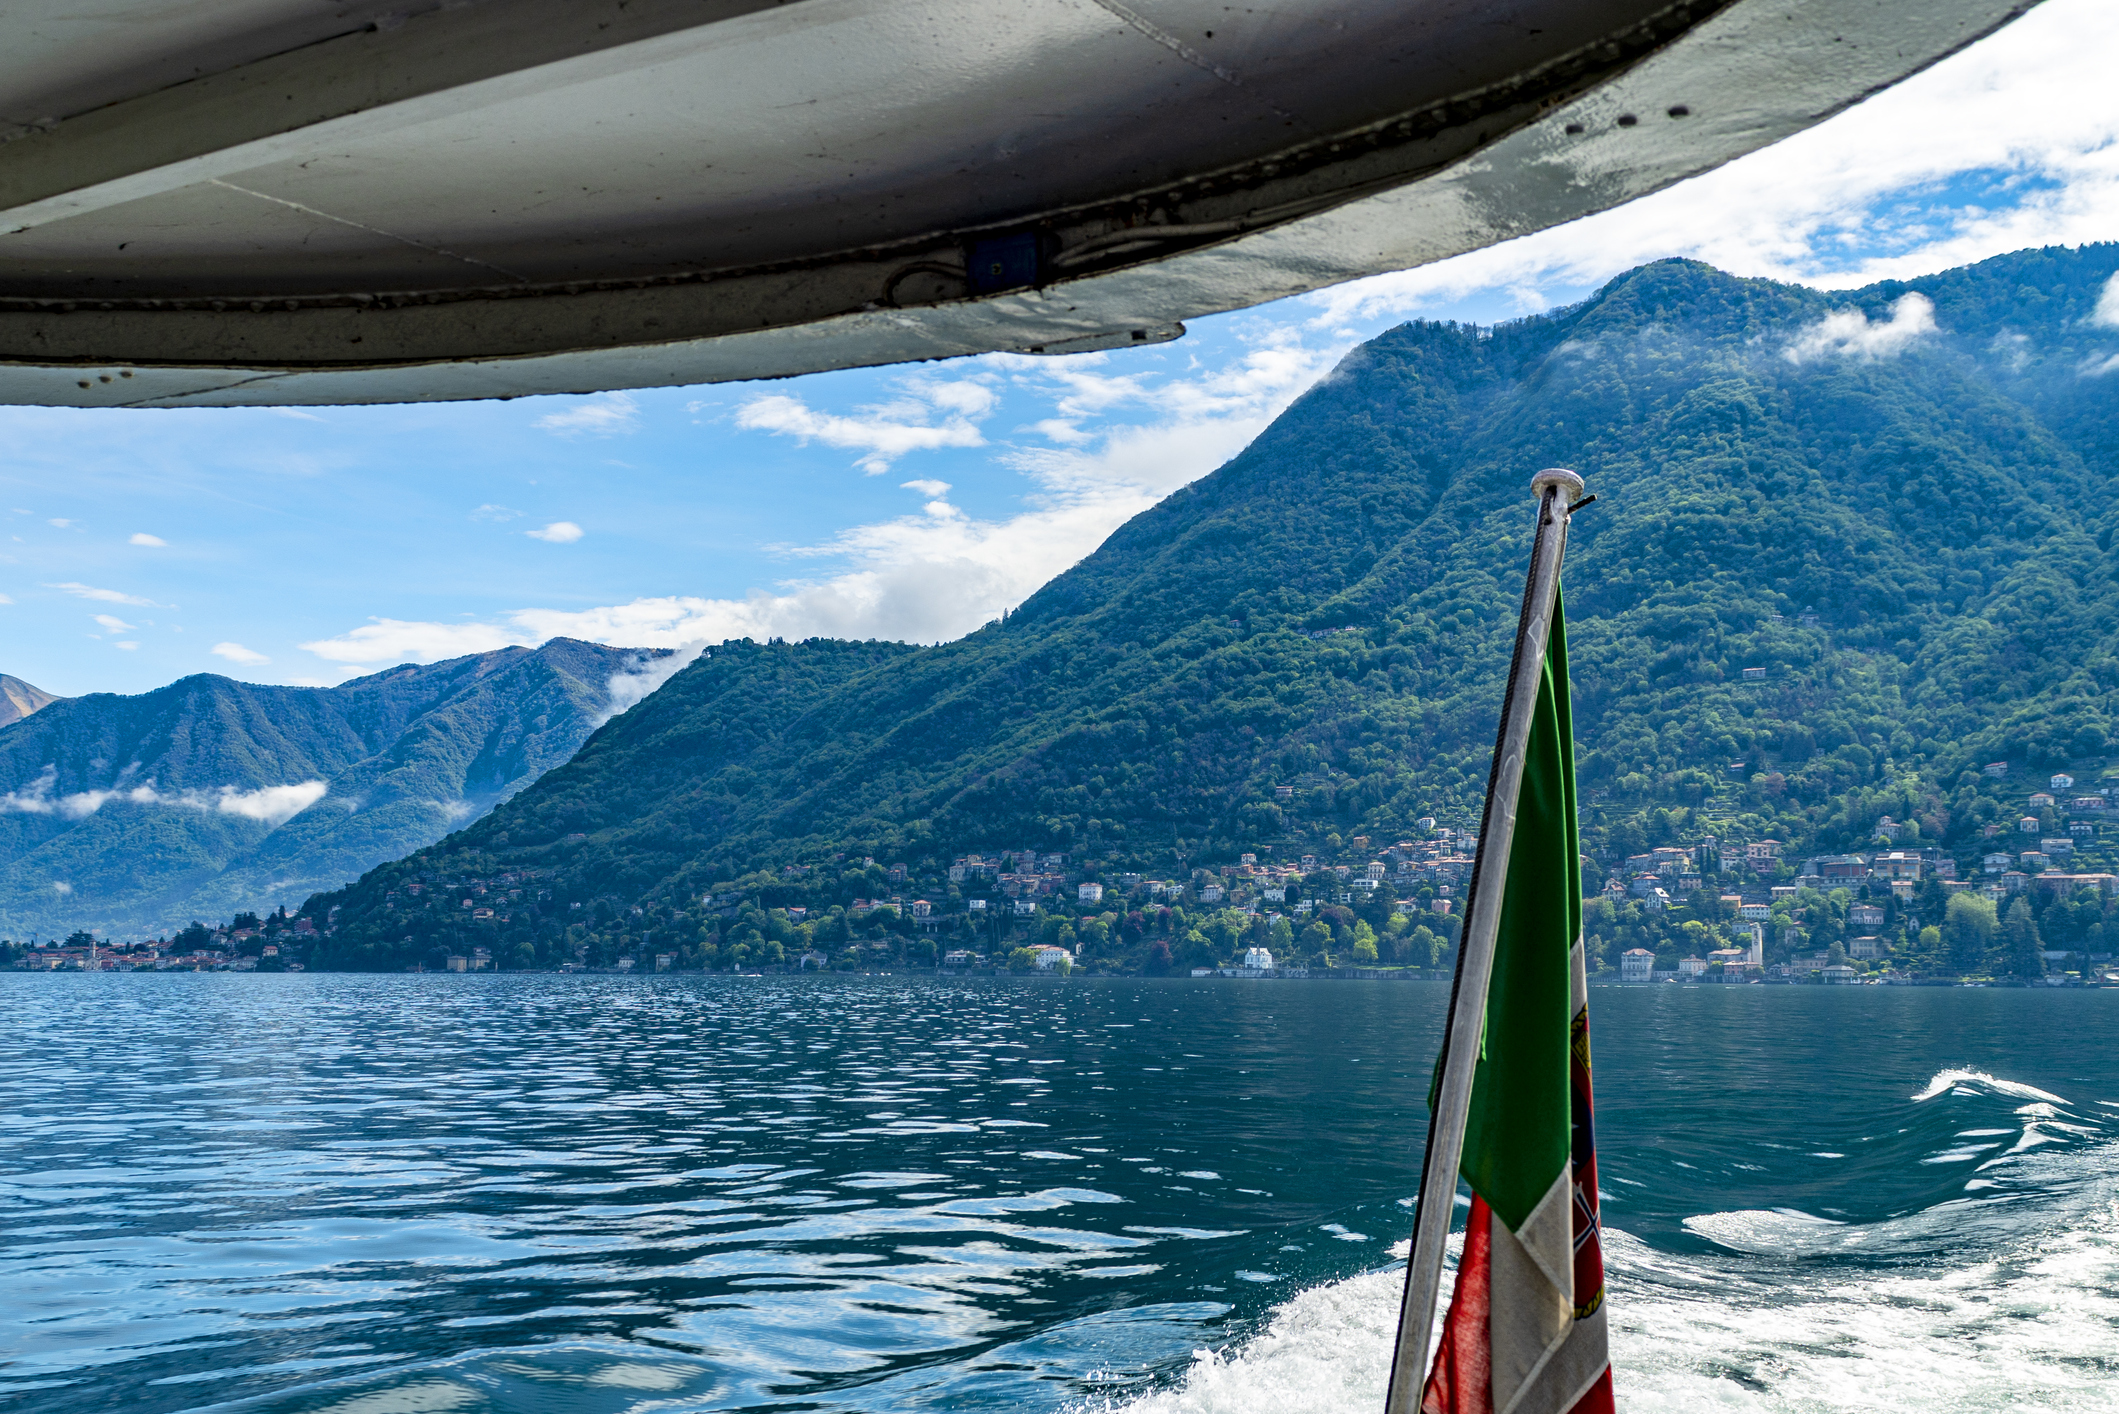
(1895, 502)
(210, 796)
(18, 699)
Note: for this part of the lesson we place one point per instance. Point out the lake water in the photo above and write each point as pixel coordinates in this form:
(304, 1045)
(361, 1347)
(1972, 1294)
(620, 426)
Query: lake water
(397, 1195)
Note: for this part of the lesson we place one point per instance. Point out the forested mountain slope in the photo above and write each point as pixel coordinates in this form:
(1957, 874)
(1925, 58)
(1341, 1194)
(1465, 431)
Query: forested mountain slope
(1924, 466)
(209, 795)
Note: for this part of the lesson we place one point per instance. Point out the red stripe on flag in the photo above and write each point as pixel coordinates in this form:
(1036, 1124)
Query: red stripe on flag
(1462, 1380)
(1597, 1398)
(1588, 1223)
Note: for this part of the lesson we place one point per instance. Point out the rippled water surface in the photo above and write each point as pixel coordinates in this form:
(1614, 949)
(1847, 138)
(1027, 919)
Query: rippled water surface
(394, 1195)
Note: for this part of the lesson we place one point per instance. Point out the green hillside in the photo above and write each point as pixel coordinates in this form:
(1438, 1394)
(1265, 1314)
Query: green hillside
(1330, 612)
(136, 814)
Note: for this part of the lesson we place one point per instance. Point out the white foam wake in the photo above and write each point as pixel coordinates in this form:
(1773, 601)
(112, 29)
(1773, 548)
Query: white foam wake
(1948, 1080)
(1769, 1329)
(1326, 1351)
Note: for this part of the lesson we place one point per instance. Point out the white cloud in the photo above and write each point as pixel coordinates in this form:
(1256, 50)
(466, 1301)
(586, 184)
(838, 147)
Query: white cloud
(141, 537)
(1061, 429)
(603, 415)
(61, 522)
(631, 684)
(932, 414)
(559, 532)
(671, 621)
(1202, 422)
(966, 397)
(941, 573)
(114, 623)
(273, 805)
(5, 600)
(495, 514)
(2107, 312)
(127, 646)
(1848, 333)
(237, 653)
(62, 888)
(102, 596)
(2011, 143)
(402, 641)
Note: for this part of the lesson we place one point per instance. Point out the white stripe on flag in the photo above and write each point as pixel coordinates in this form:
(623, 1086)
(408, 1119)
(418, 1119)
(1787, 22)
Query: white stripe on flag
(1531, 1309)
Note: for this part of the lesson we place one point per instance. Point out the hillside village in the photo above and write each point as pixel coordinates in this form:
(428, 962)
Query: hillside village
(2035, 904)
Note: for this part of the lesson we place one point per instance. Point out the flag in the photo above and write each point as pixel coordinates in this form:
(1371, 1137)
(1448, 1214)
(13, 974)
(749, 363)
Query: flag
(1525, 1332)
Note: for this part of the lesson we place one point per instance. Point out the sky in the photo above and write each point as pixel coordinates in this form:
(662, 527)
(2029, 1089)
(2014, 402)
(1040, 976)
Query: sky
(308, 546)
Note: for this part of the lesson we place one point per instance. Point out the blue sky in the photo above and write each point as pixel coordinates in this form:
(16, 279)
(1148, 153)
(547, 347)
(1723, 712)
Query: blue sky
(309, 546)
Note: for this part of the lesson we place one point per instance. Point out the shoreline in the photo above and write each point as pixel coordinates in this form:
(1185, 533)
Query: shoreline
(1313, 974)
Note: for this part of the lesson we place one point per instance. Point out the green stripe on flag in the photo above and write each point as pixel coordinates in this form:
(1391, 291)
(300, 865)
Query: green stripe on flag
(1517, 1140)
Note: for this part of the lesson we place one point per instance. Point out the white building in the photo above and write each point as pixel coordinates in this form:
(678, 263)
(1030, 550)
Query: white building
(1049, 956)
(1636, 965)
(2062, 782)
(1691, 966)
(1258, 957)
(1090, 893)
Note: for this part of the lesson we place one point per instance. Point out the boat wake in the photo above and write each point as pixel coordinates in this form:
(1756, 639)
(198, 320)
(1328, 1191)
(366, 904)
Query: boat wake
(2004, 1294)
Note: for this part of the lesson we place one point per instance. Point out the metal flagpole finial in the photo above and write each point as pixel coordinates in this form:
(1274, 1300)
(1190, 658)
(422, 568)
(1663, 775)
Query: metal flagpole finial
(1570, 484)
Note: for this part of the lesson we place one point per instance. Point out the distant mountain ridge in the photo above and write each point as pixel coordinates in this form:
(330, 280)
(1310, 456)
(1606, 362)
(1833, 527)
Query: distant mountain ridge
(209, 796)
(1307, 645)
(19, 699)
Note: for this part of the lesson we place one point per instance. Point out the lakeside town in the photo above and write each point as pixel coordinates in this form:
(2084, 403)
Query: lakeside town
(1710, 910)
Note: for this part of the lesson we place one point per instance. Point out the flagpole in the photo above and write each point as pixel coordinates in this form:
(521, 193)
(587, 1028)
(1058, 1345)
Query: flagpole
(1462, 1034)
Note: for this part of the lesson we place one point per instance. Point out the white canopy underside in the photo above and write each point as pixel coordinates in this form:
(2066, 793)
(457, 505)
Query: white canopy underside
(277, 201)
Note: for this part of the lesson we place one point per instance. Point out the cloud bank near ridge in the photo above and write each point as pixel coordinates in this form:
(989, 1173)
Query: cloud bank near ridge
(270, 805)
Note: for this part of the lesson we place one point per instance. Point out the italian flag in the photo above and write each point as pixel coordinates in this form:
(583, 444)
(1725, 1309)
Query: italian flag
(1525, 1331)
